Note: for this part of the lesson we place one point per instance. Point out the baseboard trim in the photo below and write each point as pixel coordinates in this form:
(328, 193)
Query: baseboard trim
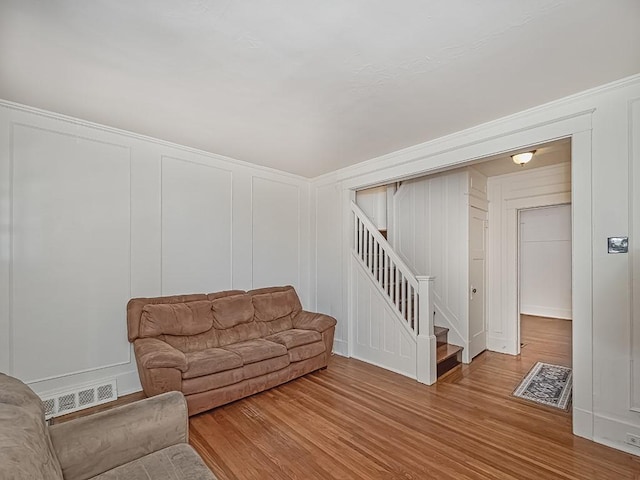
(384, 367)
(340, 347)
(582, 423)
(539, 311)
(500, 345)
(613, 432)
(128, 383)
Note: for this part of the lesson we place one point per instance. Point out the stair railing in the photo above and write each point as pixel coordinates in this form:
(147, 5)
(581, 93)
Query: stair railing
(408, 294)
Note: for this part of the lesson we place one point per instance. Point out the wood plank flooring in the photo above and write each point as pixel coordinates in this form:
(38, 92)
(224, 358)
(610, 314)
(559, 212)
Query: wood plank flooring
(357, 421)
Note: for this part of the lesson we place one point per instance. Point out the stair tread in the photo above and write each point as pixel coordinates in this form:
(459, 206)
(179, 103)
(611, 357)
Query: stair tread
(446, 351)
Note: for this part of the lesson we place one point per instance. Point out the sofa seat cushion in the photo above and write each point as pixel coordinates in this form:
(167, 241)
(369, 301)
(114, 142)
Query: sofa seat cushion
(252, 351)
(171, 463)
(258, 369)
(294, 337)
(210, 360)
(213, 381)
(303, 352)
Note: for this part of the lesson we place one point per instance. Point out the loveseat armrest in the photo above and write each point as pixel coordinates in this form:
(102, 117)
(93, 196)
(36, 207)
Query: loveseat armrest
(91, 445)
(313, 321)
(154, 353)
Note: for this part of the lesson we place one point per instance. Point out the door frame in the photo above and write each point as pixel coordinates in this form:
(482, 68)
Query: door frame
(519, 258)
(465, 149)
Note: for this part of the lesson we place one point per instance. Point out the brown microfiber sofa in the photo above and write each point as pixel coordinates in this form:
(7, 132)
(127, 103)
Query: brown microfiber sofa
(138, 441)
(219, 347)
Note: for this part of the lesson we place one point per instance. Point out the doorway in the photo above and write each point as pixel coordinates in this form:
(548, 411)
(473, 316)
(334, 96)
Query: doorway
(544, 283)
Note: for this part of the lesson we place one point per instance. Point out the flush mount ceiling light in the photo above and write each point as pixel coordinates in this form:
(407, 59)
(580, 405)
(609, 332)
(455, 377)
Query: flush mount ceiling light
(522, 158)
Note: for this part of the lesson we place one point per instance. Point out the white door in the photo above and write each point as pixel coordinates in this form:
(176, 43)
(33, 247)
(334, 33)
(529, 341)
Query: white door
(477, 266)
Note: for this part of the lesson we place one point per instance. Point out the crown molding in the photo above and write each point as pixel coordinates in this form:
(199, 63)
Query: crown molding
(482, 132)
(137, 136)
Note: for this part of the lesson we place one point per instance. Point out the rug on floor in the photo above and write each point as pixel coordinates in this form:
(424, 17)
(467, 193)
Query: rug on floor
(547, 384)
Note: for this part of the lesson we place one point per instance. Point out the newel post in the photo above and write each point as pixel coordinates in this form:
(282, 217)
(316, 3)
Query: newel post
(426, 371)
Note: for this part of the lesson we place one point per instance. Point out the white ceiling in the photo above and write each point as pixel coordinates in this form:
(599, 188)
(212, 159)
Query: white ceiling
(308, 86)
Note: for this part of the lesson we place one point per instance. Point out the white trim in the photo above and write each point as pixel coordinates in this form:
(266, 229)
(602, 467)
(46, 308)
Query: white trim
(542, 311)
(385, 367)
(117, 131)
(434, 160)
(340, 347)
(457, 140)
(577, 127)
(582, 282)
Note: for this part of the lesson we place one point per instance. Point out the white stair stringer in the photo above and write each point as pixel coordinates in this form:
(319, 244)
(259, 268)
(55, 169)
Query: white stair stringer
(392, 308)
(380, 335)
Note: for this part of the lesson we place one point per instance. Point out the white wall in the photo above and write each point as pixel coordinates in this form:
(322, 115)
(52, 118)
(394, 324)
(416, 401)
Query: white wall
(331, 259)
(431, 236)
(92, 216)
(545, 262)
(603, 124)
(373, 202)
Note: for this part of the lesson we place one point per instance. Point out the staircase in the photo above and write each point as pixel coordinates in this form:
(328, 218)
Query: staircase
(448, 356)
(408, 297)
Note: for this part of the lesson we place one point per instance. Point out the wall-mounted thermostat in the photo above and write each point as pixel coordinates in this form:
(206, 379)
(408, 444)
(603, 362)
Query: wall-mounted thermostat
(618, 244)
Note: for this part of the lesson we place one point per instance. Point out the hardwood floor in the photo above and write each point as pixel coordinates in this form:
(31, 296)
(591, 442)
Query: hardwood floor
(357, 421)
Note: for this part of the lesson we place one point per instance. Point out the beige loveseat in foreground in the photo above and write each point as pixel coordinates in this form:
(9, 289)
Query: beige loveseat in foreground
(142, 440)
(219, 347)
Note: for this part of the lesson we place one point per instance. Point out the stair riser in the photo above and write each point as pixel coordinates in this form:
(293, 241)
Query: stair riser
(446, 365)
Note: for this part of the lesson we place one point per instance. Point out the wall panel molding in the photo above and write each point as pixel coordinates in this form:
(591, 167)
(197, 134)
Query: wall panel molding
(77, 161)
(276, 233)
(196, 206)
(47, 204)
(634, 248)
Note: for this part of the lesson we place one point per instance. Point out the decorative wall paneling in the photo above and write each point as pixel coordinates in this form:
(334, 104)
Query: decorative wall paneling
(197, 236)
(70, 252)
(277, 230)
(328, 261)
(431, 234)
(379, 337)
(634, 248)
(92, 216)
(373, 201)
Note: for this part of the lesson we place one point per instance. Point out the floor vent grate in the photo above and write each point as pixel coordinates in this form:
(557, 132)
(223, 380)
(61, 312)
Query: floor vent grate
(85, 396)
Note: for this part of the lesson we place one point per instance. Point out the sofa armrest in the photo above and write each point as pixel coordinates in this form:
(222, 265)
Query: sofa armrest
(91, 445)
(313, 321)
(154, 353)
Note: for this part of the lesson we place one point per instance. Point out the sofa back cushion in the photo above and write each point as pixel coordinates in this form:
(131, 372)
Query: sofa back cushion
(136, 305)
(231, 311)
(233, 319)
(275, 308)
(25, 447)
(189, 318)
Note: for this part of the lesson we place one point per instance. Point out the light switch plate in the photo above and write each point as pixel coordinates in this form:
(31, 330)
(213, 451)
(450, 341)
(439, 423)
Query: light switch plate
(618, 244)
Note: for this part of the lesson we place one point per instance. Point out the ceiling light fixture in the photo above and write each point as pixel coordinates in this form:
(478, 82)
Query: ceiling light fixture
(522, 158)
